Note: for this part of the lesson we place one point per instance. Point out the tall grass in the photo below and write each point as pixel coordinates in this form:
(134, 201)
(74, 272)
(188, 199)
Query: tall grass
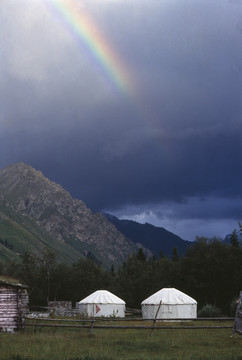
(107, 344)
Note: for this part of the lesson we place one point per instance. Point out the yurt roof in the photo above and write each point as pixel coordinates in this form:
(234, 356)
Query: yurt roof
(102, 297)
(170, 296)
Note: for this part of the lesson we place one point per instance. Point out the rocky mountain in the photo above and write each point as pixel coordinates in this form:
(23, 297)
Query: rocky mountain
(152, 237)
(36, 213)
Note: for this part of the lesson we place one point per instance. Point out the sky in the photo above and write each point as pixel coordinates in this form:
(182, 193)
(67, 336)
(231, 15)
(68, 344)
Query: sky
(133, 106)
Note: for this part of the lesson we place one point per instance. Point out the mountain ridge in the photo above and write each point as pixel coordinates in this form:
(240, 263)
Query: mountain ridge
(26, 193)
(35, 212)
(157, 239)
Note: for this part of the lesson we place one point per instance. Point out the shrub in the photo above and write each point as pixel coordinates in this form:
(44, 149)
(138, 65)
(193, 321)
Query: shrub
(209, 310)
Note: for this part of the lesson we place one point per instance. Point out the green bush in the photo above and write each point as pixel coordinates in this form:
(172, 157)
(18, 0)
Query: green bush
(209, 310)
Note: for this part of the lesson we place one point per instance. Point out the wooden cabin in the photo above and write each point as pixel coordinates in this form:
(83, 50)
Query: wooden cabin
(14, 300)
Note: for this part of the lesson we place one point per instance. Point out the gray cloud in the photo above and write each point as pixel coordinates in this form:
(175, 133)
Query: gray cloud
(208, 216)
(174, 139)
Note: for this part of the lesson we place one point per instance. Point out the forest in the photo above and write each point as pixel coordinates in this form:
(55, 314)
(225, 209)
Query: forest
(210, 272)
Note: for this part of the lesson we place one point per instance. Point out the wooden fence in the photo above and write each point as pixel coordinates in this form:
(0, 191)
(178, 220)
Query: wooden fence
(184, 324)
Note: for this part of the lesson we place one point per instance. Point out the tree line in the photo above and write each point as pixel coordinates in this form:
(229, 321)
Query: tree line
(210, 272)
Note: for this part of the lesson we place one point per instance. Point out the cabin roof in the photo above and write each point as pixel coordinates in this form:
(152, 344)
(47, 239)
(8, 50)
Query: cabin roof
(12, 284)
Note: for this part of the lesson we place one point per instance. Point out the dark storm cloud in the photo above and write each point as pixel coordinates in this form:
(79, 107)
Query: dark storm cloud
(172, 147)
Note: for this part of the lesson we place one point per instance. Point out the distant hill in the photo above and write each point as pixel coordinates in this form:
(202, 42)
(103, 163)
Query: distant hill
(36, 213)
(154, 238)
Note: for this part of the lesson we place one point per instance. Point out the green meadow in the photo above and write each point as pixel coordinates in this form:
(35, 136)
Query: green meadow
(121, 344)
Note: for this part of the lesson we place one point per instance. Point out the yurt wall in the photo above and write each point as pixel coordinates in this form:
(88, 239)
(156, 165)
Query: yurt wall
(169, 303)
(102, 303)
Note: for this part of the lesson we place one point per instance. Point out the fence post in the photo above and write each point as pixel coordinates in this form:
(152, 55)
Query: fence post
(155, 318)
(92, 325)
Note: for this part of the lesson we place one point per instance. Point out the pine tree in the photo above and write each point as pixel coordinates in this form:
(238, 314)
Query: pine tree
(234, 240)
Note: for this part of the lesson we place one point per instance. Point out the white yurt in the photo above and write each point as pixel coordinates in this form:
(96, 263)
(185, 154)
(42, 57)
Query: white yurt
(169, 303)
(102, 303)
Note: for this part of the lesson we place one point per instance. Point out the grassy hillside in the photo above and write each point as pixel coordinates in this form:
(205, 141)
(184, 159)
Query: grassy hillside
(19, 233)
(7, 255)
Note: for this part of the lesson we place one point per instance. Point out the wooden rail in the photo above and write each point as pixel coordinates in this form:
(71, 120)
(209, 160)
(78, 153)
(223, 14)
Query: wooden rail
(97, 324)
(134, 319)
(93, 325)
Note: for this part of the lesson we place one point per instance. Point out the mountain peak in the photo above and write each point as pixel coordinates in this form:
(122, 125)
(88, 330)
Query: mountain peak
(20, 183)
(27, 192)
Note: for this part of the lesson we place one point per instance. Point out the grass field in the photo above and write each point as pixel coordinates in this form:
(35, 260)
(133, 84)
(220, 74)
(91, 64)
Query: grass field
(117, 344)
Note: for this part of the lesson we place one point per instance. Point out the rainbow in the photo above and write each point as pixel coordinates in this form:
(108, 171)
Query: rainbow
(80, 23)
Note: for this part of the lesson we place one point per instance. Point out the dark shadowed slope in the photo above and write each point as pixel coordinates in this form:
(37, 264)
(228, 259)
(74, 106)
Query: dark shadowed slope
(154, 238)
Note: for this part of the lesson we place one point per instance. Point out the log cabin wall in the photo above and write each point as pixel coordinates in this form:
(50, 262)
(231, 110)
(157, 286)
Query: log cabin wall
(14, 301)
